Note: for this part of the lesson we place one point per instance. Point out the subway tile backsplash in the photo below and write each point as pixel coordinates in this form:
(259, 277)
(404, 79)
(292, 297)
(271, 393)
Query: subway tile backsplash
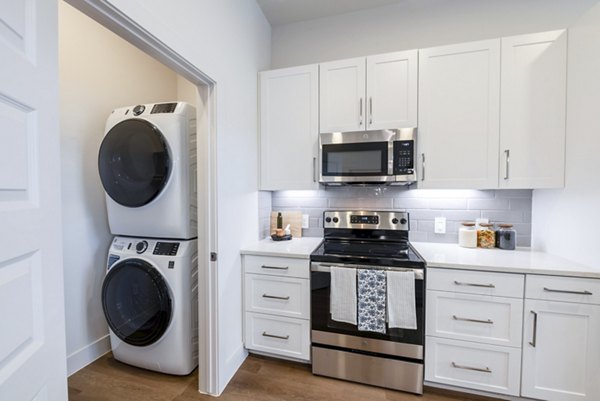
(500, 206)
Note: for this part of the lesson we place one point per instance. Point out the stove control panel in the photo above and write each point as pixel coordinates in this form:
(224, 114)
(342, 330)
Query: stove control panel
(366, 220)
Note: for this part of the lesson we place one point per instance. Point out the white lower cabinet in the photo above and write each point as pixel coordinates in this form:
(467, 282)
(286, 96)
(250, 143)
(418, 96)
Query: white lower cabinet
(477, 366)
(561, 351)
(277, 306)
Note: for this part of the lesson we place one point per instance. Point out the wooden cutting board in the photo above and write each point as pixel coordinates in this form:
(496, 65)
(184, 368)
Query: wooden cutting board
(294, 219)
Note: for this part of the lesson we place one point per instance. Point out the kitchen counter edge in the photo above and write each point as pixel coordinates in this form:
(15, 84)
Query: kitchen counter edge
(299, 248)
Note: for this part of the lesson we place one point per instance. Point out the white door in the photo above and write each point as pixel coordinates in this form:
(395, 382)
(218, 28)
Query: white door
(533, 108)
(342, 95)
(392, 90)
(561, 351)
(32, 337)
(459, 111)
(289, 128)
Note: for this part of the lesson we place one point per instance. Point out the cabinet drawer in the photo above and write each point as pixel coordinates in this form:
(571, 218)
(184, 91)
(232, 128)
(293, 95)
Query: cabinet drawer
(476, 366)
(476, 282)
(479, 318)
(283, 296)
(567, 289)
(277, 266)
(278, 335)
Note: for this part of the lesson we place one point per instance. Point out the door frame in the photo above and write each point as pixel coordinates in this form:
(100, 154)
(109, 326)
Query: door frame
(119, 23)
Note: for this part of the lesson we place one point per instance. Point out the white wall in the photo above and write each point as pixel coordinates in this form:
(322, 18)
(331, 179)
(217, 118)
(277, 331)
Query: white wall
(566, 222)
(98, 72)
(229, 40)
(416, 24)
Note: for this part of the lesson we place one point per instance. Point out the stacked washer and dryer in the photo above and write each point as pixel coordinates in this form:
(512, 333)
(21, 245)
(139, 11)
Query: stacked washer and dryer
(147, 164)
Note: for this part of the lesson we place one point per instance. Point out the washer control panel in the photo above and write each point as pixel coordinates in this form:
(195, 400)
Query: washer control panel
(166, 248)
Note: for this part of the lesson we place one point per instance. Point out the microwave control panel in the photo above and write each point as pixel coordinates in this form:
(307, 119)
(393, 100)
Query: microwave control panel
(404, 157)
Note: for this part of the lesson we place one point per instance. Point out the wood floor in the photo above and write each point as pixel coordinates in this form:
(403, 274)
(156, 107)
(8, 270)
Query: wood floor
(259, 379)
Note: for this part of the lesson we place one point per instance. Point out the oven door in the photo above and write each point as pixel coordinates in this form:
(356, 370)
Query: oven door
(325, 331)
(362, 156)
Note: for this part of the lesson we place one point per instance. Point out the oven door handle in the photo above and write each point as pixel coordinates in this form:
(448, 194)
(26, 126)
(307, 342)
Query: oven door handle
(326, 268)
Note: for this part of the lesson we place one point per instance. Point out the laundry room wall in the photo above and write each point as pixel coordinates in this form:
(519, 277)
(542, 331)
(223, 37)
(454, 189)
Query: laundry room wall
(99, 71)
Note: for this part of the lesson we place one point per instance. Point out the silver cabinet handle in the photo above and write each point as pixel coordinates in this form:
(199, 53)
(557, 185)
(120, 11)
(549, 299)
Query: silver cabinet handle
(370, 110)
(265, 334)
(275, 297)
(360, 112)
(506, 171)
(584, 292)
(488, 321)
(485, 370)
(534, 337)
(275, 267)
(314, 169)
(422, 166)
(475, 284)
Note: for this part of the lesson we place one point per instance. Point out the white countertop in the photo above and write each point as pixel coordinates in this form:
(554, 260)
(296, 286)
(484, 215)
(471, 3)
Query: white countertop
(521, 260)
(295, 248)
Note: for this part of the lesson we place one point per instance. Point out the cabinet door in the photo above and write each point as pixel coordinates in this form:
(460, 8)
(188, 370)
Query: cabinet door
(289, 128)
(459, 109)
(561, 351)
(392, 90)
(533, 93)
(342, 95)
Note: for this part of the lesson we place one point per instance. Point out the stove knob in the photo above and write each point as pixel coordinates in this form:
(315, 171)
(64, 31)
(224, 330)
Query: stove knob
(141, 246)
(403, 221)
(335, 220)
(394, 221)
(328, 219)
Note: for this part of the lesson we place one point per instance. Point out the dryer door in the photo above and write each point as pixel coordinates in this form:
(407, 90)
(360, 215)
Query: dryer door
(134, 162)
(136, 302)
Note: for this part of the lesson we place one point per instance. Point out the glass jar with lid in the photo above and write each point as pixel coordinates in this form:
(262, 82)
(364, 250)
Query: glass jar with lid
(486, 237)
(467, 235)
(507, 237)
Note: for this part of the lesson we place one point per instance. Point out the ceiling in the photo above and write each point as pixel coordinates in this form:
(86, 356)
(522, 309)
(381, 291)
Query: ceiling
(280, 12)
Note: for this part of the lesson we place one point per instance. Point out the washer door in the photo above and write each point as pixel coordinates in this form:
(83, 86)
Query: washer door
(134, 162)
(136, 302)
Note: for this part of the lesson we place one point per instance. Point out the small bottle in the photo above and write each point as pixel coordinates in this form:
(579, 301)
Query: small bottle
(486, 237)
(279, 220)
(507, 237)
(467, 235)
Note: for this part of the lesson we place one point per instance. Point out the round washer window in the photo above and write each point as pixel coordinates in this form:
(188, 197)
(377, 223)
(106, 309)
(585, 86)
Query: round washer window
(134, 162)
(136, 302)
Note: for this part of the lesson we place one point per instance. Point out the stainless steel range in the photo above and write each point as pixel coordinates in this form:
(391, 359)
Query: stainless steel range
(367, 242)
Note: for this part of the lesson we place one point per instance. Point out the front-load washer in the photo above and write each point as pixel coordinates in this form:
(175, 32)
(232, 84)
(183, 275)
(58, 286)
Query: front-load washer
(147, 165)
(150, 301)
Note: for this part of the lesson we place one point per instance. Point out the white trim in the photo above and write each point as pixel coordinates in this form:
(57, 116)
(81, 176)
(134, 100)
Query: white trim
(88, 354)
(232, 365)
(113, 19)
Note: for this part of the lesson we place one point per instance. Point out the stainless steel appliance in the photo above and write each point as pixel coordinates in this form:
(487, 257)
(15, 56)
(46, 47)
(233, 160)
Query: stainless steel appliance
(368, 157)
(366, 240)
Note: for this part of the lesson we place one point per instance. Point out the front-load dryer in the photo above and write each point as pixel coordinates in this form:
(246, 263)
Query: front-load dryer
(150, 301)
(147, 165)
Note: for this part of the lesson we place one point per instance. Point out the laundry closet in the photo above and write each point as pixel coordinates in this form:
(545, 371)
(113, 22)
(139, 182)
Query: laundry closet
(99, 72)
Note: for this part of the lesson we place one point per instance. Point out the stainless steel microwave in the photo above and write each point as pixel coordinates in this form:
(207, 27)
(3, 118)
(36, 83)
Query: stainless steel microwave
(368, 157)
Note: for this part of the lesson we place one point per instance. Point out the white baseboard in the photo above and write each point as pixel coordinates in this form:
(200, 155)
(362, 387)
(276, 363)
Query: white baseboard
(88, 354)
(231, 366)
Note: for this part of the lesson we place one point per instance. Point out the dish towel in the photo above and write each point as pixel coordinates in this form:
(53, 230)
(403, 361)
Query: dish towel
(343, 295)
(402, 311)
(371, 300)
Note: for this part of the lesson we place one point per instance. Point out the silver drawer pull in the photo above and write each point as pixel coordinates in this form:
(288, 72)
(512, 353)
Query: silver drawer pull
(265, 334)
(275, 297)
(585, 292)
(488, 321)
(475, 284)
(534, 336)
(486, 370)
(275, 267)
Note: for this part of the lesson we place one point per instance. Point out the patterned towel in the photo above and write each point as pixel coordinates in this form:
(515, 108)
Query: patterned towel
(371, 300)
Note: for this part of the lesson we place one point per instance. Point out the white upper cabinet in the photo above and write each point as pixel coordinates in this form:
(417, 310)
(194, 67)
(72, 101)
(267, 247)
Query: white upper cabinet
(392, 90)
(342, 95)
(289, 128)
(376, 92)
(459, 113)
(533, 93)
